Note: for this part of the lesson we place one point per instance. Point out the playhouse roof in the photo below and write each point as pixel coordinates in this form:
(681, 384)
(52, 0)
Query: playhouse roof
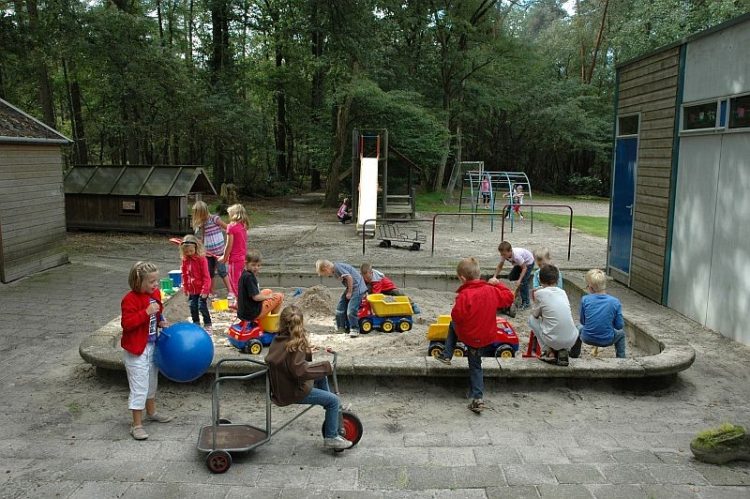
(119, 180)
(18, 127)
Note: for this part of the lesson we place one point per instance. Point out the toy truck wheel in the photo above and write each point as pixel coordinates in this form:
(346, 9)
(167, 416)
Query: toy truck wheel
(504, 352)
(387, 326)
(404, 326)
(365, 326)
(254, 347)
(435, 349)
(458, 352)
(218, 461)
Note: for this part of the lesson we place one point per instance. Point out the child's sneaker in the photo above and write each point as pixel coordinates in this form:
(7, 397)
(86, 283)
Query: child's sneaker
(337, 443)
(159, 418)
(138, 432)
(209, 329)
(340, 330)
(444, 360)
(353, 333)
(476, 406)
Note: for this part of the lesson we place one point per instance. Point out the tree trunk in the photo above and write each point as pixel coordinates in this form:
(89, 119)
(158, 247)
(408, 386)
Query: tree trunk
(80, 149)
(341, 145)
(46, 100)
(280, 125)
(598, 42)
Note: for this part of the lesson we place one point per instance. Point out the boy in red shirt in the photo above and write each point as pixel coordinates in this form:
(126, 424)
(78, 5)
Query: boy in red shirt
(474, 323)
(377, 282)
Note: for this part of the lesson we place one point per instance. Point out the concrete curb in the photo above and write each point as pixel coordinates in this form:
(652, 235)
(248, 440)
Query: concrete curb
(670, 354)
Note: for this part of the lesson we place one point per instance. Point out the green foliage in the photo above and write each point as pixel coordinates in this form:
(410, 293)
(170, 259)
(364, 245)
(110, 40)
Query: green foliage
(590, 186)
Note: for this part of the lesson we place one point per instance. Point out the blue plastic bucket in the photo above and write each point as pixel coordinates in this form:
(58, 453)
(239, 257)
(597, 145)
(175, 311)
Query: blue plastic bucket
(176, 276)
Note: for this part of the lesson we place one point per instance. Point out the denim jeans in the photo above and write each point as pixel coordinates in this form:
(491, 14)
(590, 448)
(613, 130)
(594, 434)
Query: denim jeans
(346, 311)
(322, 395)
(524, 285)
(620, 341)
(474, 356)
(199, 304)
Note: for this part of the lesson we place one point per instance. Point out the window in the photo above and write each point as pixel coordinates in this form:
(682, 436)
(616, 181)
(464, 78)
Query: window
(739, 112)
(699, 116)
(130, 207)
(627, 125)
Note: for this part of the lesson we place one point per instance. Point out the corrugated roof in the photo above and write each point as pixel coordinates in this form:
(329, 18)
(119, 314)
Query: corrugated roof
(160, 181)
(18, 127)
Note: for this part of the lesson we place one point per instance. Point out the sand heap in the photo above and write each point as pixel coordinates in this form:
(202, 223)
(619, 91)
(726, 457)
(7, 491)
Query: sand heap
(316, 302)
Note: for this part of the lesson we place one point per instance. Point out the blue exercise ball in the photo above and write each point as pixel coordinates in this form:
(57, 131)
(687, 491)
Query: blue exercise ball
(184, 352)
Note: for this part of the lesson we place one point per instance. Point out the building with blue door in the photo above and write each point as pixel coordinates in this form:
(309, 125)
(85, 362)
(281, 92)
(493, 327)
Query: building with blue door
(680, 210)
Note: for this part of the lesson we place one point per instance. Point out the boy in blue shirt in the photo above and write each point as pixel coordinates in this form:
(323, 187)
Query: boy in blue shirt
(601, 315)
(346, 311)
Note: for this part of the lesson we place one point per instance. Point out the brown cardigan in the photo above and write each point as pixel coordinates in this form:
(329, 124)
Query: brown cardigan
(290, 373)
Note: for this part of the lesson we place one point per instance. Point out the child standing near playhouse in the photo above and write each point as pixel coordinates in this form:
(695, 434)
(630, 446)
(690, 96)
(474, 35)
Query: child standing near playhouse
(141, 316)
(209, 229)
(601, 315)
(196, 280)
(346, 311)
(523, 266)
(252, 303)
(377, 282)
(236, 247)
(292, 373)
(473, 322)
(552, 321)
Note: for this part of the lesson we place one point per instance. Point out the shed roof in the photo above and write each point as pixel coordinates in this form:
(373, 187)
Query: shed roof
(19, 127)
(119, 180)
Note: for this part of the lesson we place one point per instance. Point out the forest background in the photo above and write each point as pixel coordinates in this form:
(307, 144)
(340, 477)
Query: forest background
(265, 93)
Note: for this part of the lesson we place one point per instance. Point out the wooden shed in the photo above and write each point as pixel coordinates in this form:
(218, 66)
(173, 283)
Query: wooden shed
(680, 208)
(32, 207)
(133, 198)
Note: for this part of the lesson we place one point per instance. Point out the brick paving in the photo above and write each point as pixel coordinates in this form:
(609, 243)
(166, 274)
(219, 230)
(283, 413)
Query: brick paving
(64, 427)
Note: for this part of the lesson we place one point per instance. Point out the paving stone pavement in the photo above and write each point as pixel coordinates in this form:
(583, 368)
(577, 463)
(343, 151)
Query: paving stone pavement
(64, 430)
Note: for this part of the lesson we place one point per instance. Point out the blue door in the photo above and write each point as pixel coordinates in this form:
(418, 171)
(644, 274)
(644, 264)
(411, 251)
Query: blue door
(623, 195)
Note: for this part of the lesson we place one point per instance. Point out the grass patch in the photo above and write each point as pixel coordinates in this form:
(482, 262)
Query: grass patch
(433, 202)
(595, 226)
(256, 217)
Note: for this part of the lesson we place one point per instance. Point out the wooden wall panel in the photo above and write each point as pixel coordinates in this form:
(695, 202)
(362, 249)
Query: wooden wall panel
(32, 209)
(649, 87)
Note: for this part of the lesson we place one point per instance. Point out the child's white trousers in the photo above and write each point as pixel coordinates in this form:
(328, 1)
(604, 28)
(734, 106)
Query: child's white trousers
(143, 376)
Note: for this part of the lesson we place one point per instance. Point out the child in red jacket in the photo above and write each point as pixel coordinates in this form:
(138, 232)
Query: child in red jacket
(141, 314)
(377, 282)
(474, 323)
(196, 279)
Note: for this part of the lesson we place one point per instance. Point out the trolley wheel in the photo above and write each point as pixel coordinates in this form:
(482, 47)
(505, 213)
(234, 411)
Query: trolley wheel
(385, 243)
(458, 352)
(404, 326)
(218, 461)
(223, 421)
(435, 350)
(365, 326)
(351, 428)
(414, 247)
(254, 347)
(504, 352)
(388, 326)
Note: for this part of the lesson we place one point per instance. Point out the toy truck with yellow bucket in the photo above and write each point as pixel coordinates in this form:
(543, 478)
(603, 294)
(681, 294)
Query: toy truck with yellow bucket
(505, 345)
(251, 336)
(385, 312)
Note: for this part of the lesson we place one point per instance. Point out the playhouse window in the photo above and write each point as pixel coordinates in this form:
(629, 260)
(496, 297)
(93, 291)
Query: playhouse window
(699, 116)
(130, 206)
(739, 112)
(627, 125)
